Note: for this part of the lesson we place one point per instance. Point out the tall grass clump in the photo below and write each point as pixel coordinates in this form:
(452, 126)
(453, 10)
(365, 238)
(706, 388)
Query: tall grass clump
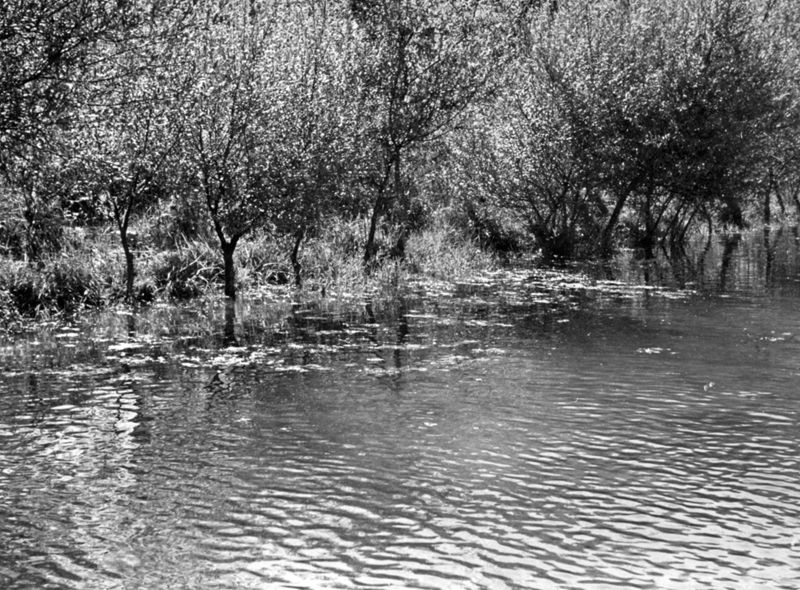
(63, 284)
(442, 252)
(262, 259)
(332, 265)
(184, 273)
(332, 261)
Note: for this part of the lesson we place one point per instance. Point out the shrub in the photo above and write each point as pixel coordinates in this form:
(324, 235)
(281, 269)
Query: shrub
(57, 285)
(29, 227)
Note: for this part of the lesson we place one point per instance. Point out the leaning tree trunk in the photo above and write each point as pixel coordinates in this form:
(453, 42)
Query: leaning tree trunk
(606, 246)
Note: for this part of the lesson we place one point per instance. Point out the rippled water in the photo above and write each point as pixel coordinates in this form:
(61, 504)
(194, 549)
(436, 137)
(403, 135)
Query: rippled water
(531, 430)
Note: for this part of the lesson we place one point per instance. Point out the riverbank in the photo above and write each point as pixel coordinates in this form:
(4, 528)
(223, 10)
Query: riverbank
(88, 272)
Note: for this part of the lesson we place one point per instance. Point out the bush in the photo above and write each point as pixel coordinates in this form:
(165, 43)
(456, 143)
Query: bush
(173, 224)
(59, 285)
(333, 260)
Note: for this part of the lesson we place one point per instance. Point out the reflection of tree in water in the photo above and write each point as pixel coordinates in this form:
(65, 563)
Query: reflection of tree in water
(36, 405)
(74, 476)
(768, 258)
(730, 245)
(770, 246)
(402, 332)
(229, 332)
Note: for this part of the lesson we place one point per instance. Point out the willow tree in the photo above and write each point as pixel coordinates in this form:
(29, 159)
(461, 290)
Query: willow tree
(321, 142)
(45, 48)
(781, 173)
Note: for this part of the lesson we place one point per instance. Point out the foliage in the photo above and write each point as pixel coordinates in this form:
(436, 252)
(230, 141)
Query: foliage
(323, 135)
(428, 62)
(123, 138)
(61, 284)
(660, 109)
(33, 220)
(10, 318)
(261, 119)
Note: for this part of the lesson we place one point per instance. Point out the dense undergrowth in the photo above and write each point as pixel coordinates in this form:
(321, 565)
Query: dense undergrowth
(88, 270)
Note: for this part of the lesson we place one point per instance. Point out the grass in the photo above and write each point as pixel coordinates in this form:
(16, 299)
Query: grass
(445, 254)
(88, 271)
(60, 283)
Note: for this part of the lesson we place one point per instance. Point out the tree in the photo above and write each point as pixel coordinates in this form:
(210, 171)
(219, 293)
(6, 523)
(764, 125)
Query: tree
(228, 118)
(44, 50)
(44, 47)
(427, 62)
(261, 118)
(781, 173)
(124, 137)
(321, 139)
(655, 113)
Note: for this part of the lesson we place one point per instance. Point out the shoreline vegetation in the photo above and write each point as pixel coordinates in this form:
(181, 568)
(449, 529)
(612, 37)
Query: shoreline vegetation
(155, 150)
(85, 275)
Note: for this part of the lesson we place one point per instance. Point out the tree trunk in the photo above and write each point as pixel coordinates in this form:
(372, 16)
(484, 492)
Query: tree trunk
(731, 243)
(229, 331)
(369, 247)
(380, 203)
(31, 239)
(767, 210)
(298, 239)
(650, 225)
(228, 247)
(608, 230)
(129, 265)
(399, 249)
(770, 256)
(122, 217)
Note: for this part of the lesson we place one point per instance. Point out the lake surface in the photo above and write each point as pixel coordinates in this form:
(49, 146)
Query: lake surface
(632, 427)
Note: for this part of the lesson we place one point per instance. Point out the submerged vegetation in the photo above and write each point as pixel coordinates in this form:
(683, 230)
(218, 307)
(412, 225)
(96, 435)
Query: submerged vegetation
(333, 148)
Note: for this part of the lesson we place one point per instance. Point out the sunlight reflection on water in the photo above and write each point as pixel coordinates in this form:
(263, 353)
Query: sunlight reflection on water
(532, 430)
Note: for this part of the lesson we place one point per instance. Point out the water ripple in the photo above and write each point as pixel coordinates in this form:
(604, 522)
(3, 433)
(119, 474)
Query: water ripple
(644, 443)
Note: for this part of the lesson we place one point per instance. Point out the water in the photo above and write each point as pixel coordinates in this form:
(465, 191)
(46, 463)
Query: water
(530, 430)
